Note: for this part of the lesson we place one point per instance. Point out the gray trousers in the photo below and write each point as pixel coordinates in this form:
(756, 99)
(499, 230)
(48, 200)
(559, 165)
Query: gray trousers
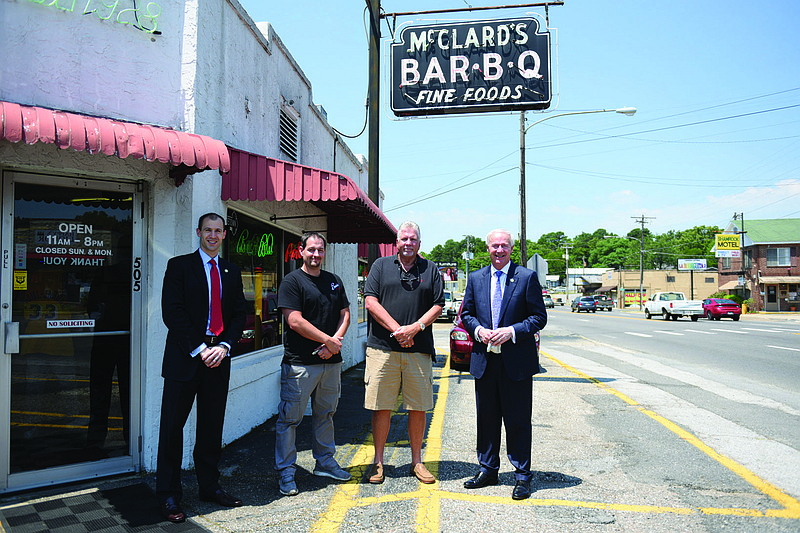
(322, 383)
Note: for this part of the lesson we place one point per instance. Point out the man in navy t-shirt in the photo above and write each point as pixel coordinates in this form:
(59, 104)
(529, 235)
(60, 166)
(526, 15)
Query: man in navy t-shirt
(316, 309)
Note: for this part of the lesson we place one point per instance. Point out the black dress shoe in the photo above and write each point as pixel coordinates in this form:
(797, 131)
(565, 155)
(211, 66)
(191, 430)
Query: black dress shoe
(222, 498)
(171, 510)
(522, 490)
(481, 480)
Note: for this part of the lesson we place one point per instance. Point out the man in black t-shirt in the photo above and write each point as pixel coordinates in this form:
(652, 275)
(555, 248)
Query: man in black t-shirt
(317, 312)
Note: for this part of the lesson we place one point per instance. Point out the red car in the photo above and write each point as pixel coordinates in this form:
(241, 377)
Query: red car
(461, 344)
(717, 308)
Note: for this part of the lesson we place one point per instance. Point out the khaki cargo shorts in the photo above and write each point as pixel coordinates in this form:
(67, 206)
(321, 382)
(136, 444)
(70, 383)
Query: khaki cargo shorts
(388, 372)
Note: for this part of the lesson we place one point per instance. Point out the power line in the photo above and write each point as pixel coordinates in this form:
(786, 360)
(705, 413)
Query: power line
(421, 199)
(665, 128)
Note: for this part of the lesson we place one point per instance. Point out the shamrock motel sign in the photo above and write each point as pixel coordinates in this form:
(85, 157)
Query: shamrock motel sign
(471, 67)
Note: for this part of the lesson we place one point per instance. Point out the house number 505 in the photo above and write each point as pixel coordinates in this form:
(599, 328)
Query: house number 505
(137, 274)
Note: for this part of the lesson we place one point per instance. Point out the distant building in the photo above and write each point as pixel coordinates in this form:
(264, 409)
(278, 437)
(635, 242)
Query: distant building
(623, 285)
(768, 270)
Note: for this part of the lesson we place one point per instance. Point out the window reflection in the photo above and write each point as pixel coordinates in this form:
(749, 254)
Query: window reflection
(264, 253)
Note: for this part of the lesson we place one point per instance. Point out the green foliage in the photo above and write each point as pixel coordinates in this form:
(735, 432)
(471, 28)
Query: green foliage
(751, 305)
(722, 294)
(736, 298)
(599, 249)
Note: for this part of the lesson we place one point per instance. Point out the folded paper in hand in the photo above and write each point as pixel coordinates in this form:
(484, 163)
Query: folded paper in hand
(494, 348)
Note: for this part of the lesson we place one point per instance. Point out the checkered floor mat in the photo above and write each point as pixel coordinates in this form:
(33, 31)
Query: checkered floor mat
(132, 508)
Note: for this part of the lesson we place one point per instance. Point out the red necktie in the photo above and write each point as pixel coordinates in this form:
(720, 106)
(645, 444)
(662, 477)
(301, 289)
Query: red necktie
(216, 301)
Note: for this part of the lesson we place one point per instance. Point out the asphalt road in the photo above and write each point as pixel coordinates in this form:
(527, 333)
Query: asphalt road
(639, 426)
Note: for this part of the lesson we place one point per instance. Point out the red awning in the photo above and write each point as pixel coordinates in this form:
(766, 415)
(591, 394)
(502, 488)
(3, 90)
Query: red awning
(352, 216)
(112, 137)
(384, 249)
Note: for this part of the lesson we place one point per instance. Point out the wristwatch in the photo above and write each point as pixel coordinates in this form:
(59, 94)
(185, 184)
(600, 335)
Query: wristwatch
(421, 325)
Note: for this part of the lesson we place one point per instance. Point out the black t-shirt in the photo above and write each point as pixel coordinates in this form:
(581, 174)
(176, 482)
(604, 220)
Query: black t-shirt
(320, 299)
(406, 296)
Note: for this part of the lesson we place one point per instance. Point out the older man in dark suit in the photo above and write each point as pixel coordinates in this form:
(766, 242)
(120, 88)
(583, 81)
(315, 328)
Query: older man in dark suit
(503, 309)
(203, 306)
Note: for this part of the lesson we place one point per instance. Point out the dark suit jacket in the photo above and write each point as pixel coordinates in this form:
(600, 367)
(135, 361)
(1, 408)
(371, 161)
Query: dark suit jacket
(522, 308)
(184, 308)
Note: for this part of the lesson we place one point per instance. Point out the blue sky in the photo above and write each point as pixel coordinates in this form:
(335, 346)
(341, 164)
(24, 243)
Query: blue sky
(716, 84)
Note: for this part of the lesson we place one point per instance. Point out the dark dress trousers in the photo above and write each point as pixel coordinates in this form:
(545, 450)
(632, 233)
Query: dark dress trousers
(184, 307)
(504, 381)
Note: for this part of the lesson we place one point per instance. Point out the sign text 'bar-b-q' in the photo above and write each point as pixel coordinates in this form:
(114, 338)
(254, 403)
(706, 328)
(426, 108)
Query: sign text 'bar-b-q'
(471, 67)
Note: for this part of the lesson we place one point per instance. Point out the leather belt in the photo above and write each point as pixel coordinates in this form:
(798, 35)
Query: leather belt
(212, 340)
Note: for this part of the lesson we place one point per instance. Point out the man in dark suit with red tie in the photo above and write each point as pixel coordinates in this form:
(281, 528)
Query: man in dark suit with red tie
(203, 307)
(503, 309)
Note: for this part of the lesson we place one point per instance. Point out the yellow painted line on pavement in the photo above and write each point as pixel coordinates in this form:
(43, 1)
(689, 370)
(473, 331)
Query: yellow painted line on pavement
(589, 378)
(345, 496)
(429, 505)
(791, 504)
(431, 496)
(764, 486)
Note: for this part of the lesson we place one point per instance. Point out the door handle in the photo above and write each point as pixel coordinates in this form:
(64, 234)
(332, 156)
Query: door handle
(12, 337)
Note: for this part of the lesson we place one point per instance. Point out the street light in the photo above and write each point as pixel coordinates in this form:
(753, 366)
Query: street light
(641, 265)
(523, 247)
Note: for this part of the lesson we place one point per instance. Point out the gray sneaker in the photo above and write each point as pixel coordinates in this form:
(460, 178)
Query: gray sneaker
(334, 472)
(287, 486)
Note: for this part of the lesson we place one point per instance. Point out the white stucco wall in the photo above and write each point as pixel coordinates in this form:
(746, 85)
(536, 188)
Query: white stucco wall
(67, 60)
(238, 101)
(211, 71)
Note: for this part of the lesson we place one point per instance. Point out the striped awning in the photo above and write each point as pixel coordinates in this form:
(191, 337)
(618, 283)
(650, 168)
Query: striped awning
(96, 135)
(352, 216)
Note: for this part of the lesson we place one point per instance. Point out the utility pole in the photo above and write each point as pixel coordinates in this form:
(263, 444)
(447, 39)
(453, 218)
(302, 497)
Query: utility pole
(741, 232)
(374, 112)
(567, 246)
(466, 277)
(642, 220)
(523, 234)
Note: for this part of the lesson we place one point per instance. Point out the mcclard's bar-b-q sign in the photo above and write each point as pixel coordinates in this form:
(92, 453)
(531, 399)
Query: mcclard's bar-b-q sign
(471, 67)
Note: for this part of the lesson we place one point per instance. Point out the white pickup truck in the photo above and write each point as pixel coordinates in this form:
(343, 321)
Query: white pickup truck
(451, 306)
(672, 305)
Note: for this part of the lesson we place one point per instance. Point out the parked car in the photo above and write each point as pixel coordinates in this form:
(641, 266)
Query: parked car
(717, 308)
(548, 301)
(603, 302)
(672, 305)
(584, 303)
(461, 344)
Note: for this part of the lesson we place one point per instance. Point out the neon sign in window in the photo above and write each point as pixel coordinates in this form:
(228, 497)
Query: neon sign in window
(257, 245)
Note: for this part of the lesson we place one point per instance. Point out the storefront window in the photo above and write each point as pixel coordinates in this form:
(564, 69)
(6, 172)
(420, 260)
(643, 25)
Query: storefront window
(265, 254)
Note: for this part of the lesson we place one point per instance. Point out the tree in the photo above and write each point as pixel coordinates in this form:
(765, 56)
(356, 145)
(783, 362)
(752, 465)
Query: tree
(448, 252)
(596, 250)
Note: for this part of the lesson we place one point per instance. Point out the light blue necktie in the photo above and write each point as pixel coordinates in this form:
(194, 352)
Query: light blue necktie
(497, 300)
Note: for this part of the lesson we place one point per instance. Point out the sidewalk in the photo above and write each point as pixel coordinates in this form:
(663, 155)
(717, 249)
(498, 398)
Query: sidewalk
(128, 502)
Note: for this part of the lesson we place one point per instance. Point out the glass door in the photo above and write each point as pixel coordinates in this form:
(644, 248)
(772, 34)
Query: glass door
(772, 298)
(71, 279)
